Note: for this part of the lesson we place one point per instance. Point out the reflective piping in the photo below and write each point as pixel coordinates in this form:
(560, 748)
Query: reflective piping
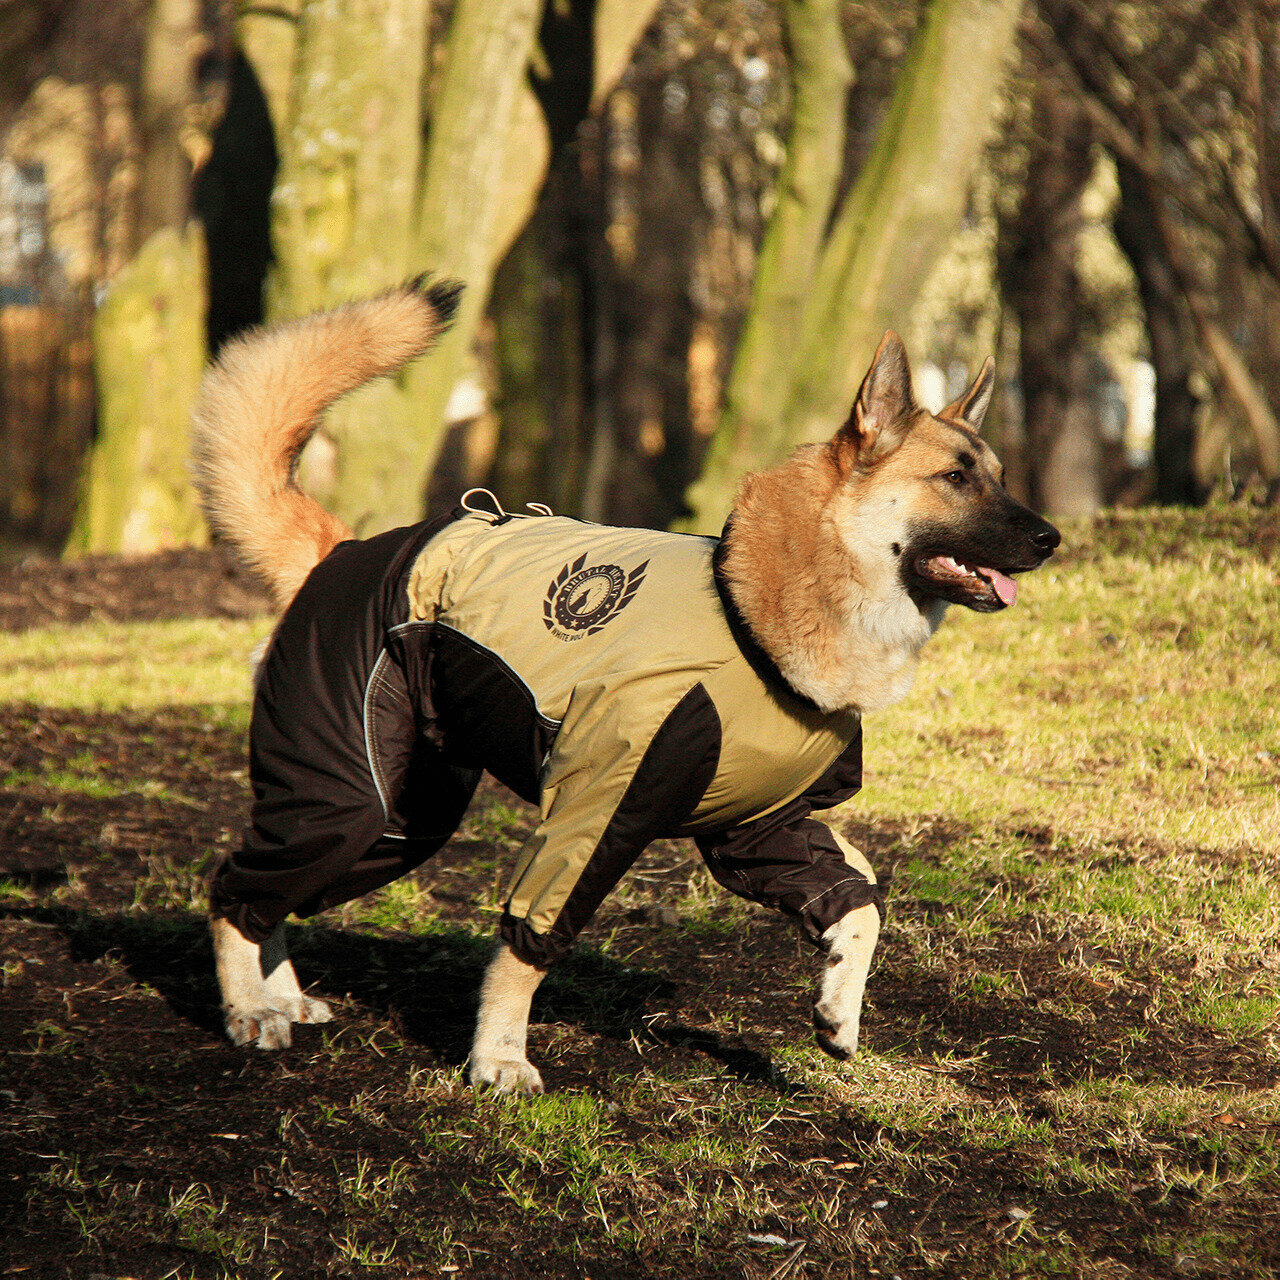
(839, 884)
(370, 748)
(409, 626)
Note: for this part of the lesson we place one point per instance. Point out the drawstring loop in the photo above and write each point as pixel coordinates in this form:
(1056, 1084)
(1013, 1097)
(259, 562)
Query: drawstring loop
(538, 508)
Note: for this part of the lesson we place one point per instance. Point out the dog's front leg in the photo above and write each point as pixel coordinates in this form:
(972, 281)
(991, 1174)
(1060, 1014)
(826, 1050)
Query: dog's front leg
(850, 943)
(502, 1026)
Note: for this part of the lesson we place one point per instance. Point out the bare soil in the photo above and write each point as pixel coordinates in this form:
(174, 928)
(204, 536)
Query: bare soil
(111, 1046)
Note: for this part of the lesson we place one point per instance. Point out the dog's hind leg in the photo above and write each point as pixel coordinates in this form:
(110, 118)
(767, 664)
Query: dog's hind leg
(280, 982)
(502, 1026)
(258, 1008)
(850, 944)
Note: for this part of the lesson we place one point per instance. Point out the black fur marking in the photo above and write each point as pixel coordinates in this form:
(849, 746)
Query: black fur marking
(896, 548)
(444, 296)
(821, 1023)
(829, 1046)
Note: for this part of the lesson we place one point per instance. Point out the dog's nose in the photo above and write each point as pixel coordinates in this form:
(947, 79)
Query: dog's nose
(1046, 538)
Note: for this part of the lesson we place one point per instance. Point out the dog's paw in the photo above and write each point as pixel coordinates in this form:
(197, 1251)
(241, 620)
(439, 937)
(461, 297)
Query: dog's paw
(304, 1009)
(506, 1075)
(840, 1042)
(314, 1010)
(837, 1013)
(265, 1028)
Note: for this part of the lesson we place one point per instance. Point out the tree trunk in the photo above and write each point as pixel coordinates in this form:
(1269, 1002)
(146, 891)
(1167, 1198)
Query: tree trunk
(1040, 277)
(753, 424)
(360, 206)
(168, 87)
(1168, 335)
(886, 235)
(538, 318)
(345, 194)
(343, 226)
(1234, 376)
(268, 38)
(908, 200)
(148, 336)
(486, 160)
(148, 358)
(476, 199)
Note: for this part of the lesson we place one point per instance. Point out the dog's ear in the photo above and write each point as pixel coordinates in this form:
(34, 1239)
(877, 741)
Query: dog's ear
(882, 411)
(971, 407)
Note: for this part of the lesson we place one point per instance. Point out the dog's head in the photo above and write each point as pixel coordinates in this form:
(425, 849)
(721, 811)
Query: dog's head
(927, 491)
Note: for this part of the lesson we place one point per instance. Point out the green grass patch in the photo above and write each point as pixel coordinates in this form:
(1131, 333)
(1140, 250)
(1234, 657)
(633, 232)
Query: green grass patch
(113, 666)
(1134, 896)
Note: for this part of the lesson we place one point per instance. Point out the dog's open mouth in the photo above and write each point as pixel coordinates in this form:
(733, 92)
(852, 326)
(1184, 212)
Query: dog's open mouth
(977, 586)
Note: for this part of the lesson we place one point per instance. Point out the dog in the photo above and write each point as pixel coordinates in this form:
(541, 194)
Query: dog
(633, 684)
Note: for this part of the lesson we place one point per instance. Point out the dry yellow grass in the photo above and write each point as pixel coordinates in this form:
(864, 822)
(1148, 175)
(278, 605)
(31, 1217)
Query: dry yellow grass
(1126, 694)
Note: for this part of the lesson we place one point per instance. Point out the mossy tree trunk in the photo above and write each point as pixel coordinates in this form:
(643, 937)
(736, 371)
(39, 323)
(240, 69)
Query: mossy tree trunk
(148, 345)
(148, 336)
(361, 204)
(486, 159)
(752, 425)
(343, 219)
(824, 298)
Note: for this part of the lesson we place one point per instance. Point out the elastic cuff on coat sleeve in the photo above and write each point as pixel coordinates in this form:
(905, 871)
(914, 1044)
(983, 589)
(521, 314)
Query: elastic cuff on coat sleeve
(252, 923)
(832, 907)
(539, 949)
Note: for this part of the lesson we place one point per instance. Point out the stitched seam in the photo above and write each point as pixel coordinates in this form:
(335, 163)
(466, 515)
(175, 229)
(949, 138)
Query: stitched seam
(395, 690)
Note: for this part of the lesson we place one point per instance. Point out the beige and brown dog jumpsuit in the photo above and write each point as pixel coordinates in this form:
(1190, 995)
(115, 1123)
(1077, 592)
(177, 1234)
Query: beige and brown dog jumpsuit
(600, 673)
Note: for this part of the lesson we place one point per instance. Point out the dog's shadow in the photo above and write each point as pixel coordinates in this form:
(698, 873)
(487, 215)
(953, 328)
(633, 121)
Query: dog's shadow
(427, 985)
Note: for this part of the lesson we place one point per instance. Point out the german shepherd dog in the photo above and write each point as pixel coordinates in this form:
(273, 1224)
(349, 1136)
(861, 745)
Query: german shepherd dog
(835, 568)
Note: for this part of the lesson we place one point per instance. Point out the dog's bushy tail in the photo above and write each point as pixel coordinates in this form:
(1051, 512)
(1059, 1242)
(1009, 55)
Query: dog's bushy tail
(265, 397)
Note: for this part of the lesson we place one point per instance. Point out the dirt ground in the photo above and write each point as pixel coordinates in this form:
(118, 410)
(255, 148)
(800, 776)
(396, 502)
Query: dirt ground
(117, 1088)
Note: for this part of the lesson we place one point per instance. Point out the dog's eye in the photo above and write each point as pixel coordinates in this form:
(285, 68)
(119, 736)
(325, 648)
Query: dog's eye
(957, 478)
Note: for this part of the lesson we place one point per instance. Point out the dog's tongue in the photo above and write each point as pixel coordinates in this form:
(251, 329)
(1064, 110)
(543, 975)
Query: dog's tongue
(1005, 586)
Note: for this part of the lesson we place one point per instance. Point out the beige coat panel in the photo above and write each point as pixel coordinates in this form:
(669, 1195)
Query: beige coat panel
(511, 588)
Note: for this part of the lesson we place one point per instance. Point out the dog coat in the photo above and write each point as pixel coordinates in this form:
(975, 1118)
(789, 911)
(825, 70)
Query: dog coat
(600, 673)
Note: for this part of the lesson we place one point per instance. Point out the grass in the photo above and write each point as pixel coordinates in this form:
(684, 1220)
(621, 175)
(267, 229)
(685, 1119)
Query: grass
(1073, 1026)
(111, 666)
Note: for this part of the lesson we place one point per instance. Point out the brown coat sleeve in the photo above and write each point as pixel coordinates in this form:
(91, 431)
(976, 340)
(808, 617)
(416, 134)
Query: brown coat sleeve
(790, 861)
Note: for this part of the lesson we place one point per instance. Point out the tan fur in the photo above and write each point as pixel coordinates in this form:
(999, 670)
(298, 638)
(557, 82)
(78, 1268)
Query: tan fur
(498, 1052)
(850, 942)
(807, 549)
(261, 998)
(815, 605)
(262, 402)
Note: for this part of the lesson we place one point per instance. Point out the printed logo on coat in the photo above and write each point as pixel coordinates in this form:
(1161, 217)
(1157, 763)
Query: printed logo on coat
(582, 600)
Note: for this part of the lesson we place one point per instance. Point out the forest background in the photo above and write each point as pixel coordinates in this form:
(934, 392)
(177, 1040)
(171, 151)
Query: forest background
(683, 226)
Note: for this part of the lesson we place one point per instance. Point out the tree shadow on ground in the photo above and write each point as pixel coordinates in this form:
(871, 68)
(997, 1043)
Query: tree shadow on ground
(427, 985)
